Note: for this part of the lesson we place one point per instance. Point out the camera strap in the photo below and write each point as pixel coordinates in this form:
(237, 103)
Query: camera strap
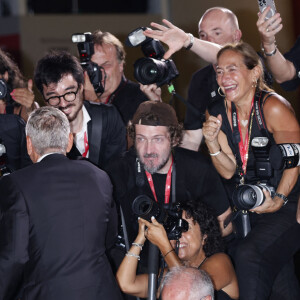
(167, 186)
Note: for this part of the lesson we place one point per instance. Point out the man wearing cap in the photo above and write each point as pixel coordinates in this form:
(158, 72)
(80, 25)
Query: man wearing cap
(156, 167)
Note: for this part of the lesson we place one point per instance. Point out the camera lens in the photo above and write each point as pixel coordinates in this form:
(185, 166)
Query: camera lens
(150, 70)
(3, 89)
(144, 207)
(248, 196)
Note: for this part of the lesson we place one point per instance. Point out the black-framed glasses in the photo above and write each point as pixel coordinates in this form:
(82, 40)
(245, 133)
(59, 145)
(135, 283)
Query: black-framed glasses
(69, 97)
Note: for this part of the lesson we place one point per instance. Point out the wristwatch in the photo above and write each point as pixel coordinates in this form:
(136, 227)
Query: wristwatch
(284, 198)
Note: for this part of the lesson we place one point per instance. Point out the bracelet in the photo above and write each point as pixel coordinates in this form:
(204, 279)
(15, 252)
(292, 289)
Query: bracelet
(216, 153)
(283, 197)
(133, 255)
(190, 45)
(138, 245)
(269, 53)
(169, 252)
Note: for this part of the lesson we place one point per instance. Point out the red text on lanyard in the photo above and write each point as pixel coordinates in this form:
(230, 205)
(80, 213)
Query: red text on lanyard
(167, 187)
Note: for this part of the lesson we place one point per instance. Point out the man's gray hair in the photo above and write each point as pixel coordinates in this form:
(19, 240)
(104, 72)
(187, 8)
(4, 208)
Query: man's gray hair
(196, 281)
(48, 129)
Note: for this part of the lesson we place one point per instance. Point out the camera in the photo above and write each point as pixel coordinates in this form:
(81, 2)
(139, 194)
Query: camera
(285, 156)
(152, 68)
(85, 48)
(4, 170)
(144, 207)
(248, 196)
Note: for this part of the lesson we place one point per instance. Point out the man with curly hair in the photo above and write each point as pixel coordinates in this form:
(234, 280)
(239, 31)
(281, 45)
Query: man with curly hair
(158, 168)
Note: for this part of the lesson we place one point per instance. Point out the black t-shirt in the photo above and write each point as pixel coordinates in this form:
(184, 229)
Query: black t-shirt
(203, 90)
(196, 179)
(294, 56)
(127, 98)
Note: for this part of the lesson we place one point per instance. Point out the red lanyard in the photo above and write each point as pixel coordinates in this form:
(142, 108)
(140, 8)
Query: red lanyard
(167, 187)
(86, 145)
(244, 147)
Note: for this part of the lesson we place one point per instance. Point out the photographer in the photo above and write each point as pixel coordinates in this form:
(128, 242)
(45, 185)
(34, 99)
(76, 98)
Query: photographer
(17, 96)
(251, 110)
(200, 247)
(158, 168)
(126, 95)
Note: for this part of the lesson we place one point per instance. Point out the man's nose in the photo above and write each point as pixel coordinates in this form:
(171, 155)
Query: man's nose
(149, 146)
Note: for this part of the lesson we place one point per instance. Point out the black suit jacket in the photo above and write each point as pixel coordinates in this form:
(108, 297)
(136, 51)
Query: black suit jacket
(112, 140)
(57, 220)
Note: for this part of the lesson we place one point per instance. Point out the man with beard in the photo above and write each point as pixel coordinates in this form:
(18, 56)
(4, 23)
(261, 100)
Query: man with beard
(98, 130)
(158, 168)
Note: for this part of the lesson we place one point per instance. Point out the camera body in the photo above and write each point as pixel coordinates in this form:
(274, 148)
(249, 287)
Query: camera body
(144, 207)
(85, 48)
(152, 68)
(248, 196)
(263, 4)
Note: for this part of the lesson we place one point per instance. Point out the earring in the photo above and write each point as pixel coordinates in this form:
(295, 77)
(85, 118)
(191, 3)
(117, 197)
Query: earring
(254, 83)
(219, 92)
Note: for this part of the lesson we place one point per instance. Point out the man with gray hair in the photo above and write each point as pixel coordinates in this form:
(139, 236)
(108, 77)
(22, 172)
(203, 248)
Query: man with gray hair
(57, 220)
(187, 283)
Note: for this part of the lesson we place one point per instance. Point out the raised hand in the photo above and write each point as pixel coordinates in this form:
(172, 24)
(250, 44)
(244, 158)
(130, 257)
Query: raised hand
(152, 91)
(169, 34)
(211, 128)
(268, 28)
(24, 96)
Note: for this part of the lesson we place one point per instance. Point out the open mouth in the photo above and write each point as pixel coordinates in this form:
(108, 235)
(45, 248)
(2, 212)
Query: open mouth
(230, 88)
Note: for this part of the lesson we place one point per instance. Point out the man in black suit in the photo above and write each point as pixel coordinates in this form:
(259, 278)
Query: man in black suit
(57, 220)
(99, 132)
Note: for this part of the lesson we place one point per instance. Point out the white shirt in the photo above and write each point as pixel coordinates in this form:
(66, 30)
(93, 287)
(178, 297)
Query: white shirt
(79, 137)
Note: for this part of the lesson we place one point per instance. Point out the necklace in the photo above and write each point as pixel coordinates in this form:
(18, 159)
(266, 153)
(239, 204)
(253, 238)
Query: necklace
(202, 262)
(244, 123)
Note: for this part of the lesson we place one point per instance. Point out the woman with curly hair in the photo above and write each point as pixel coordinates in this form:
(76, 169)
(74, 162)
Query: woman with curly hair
(16, 96)
(200, 247)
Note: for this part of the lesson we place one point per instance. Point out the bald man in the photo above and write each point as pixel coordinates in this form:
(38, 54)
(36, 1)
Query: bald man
(218, 25)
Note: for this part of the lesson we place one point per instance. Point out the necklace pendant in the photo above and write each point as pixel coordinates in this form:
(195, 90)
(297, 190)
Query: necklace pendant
(244, 123)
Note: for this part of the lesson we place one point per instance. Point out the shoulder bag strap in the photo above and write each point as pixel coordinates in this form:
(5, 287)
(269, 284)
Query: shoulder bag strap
(95, 138)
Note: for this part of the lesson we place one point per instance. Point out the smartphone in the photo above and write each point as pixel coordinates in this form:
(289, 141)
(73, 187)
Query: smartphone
(263, 4)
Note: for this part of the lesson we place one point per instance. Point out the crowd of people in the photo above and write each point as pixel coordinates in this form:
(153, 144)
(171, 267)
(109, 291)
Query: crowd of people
(99, 180)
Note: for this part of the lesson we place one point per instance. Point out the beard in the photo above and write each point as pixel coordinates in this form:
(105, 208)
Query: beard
(73, 115)
(151, 167)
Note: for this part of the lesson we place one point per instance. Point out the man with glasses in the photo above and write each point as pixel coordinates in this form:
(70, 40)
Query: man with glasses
(98, 130)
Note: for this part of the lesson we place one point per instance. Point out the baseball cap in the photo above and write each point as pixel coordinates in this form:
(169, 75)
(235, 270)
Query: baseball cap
(155, 113)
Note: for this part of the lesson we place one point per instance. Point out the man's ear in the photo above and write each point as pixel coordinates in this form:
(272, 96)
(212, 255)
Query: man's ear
(70, 142)
(121, 67)
(29, 145)
(237, 35)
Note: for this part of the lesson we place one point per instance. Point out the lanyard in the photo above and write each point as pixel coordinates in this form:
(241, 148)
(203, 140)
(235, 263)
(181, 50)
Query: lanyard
(86, 145)
(167, 187)
(243, 147)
